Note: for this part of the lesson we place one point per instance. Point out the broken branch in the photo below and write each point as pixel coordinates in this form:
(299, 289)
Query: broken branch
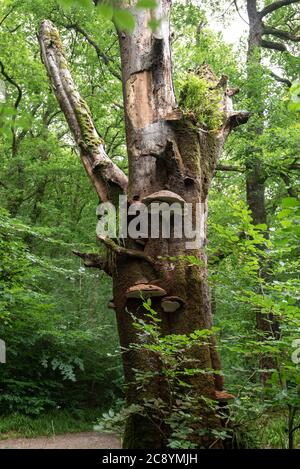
(106, 177)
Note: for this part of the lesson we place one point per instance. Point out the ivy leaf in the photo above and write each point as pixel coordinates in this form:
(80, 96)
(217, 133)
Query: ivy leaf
(124, 20)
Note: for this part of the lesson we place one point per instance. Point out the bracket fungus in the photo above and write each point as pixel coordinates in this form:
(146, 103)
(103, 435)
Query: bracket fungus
(164, 196)
(170, 304)
(223, 396)
(145, 290)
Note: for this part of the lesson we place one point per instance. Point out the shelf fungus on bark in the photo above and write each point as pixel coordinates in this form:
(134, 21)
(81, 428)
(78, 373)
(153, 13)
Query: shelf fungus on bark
(170, 304)
(144, 291)
(223, 396)
(163, 196)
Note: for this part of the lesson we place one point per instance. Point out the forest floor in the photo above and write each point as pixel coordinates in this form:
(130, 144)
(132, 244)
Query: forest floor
(85, 440)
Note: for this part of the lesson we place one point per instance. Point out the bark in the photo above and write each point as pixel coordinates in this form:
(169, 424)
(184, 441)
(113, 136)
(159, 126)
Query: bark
(166, 151)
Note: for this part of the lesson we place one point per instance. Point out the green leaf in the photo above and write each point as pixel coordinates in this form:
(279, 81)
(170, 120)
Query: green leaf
(124, 20)
(146, 4)
(153, 24)
(106, 10)
(284, 213)
(66, 3)
(262, 226)
(289, 202)
(294, 107)
(85, 3)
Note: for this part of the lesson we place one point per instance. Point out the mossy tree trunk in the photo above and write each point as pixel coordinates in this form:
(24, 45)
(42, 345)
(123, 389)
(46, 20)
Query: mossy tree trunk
(166, 151)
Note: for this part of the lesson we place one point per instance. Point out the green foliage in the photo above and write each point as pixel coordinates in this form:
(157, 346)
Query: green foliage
(146, 4)
(53, 357)
(67, 4)
(106, 10)
(124, 20)
(13, 272)
(49, 424)
(240, 291)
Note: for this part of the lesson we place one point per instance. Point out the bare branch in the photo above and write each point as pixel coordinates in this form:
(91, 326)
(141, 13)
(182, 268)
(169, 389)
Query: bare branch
(121, 251)
(235, 169)
(7, 14)
(238, 11)
(283, 80)
(16, 105)
(275, 6)
(106, 177)
(96, 261)
(12, 82)
(290, 189)
(280, 34)
(274, 45)
(101, 55)
(237, 118)
(295, 428)
(294, 166)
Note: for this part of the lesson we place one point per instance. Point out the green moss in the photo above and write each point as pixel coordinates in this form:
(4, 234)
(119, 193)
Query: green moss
(83, 114)
(51, 37)
(201, 102)
(82, 111)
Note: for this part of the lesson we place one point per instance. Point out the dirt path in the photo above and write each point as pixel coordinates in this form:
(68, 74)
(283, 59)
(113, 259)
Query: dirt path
(92, 440)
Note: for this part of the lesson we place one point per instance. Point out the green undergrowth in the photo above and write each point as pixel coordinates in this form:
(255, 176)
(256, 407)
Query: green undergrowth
(58, 422)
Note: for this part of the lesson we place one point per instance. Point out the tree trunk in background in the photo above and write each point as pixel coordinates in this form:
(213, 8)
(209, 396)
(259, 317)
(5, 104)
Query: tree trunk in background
(256, 177)
(166, 152)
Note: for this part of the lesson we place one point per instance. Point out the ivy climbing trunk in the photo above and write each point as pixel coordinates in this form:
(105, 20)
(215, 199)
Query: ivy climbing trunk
(167, 151)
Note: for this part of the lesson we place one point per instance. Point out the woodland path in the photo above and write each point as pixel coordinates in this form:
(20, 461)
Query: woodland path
(86, 440)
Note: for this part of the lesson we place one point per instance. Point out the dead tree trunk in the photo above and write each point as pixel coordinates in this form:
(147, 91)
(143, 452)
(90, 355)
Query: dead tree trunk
(166, 152)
